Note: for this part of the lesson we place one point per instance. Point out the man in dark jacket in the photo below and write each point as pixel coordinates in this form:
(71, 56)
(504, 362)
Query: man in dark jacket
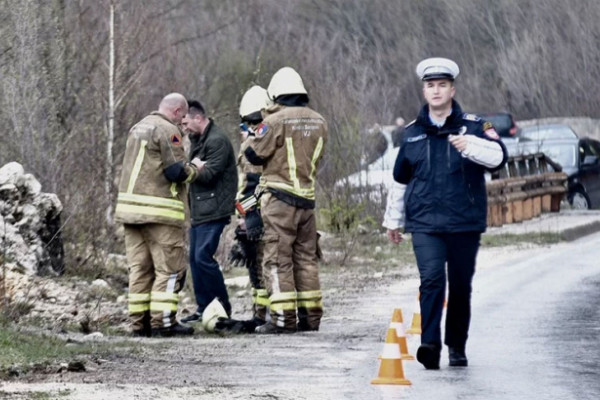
(442, 161)
(212, 202)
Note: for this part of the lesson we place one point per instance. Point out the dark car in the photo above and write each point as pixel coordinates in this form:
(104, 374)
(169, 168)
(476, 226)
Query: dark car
(546, 132)
(580, 159)
(503, 122)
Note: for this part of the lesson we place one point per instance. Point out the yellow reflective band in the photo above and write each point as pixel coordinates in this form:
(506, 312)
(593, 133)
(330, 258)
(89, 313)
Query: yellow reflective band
(289, 142)
(262, 292)
(283, 296)
(310, 294)
(150, 200)
(291, 306)
(139, 297)
(126, 208)
(254, 292)
(137, 166)
(138, 308)
(308, 193)
(262, 301)
(156, 306)
(163, 296)
(315, 158)
(310, 304)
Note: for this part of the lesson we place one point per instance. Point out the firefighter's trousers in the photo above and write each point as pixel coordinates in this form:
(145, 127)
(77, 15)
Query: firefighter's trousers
(260, 296)
(290, 269)
(156, 259)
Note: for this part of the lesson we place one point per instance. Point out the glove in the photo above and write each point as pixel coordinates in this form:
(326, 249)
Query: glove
(237, 255)
(254, 225)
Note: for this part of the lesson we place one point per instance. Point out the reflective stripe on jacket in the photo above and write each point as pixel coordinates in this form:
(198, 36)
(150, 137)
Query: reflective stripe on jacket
(145, 194)
(291, 141)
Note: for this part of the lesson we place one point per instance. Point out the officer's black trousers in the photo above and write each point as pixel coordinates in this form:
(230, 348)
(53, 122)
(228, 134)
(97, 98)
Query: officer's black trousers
(433, 252)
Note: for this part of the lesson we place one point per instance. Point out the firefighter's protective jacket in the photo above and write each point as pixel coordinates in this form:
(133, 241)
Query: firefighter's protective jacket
(146, 195)
(289, 142)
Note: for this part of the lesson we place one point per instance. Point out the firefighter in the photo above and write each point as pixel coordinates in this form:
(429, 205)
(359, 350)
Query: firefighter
(289, 144)
(150, 205)
(248, 248)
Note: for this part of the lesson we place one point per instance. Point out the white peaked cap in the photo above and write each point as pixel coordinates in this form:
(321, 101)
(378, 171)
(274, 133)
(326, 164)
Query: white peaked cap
(437, 68)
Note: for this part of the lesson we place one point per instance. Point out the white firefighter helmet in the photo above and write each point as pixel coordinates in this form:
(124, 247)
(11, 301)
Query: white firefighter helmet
(255, 99)
(211, 315)
(285, 81)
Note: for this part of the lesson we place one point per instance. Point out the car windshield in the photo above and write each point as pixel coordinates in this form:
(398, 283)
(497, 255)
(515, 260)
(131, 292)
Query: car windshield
(563, 153)
(547, 132)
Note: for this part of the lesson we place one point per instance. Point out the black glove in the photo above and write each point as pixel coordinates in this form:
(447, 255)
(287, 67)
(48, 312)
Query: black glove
(237, 255)
(254, 225)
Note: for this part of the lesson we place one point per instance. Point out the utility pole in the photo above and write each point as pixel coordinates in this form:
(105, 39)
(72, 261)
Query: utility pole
(111, 116)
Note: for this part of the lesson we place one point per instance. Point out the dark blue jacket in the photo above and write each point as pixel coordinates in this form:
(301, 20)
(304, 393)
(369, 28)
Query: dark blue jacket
(446, 192)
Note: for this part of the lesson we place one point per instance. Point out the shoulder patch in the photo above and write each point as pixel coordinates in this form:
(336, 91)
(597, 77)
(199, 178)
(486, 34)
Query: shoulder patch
(261, 130)
(471, 117)
(491, 133)
(176, 139)
(416, 138)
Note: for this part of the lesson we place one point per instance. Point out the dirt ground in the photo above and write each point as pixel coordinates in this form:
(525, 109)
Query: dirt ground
(336, 362)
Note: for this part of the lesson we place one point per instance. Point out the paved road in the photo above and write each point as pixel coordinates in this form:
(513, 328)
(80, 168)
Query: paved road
(535, 332)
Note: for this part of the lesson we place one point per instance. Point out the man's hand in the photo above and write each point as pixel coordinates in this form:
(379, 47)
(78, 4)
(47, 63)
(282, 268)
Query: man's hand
(395, 236)
(459, 142)
(198, 163)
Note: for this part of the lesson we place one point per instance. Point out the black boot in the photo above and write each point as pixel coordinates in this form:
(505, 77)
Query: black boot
(269, 328)
(175, 330)
(429, 355)
(457, 357)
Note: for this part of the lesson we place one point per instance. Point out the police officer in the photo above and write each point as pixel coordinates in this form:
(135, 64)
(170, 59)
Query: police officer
(249, 248)
(289, 144)
(150, 204)
(442, 161)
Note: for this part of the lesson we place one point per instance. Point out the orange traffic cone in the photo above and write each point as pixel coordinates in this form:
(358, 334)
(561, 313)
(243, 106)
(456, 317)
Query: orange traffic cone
(398, 324)
(391, 371)
(415, 326)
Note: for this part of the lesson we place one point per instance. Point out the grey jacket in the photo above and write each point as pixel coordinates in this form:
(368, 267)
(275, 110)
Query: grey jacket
(212, 193)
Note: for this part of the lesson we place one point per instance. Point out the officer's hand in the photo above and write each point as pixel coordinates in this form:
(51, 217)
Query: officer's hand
(237, 255)
(459, 142)
(254, 224)
(395, 236)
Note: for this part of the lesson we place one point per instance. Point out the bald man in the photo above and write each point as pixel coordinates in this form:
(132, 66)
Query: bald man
(150, 205)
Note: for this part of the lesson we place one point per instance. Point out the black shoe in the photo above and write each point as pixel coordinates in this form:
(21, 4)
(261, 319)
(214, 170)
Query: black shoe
(457, 357)
(269, 328)
(195, 317)
(304, 327)
(429, 356)
(175, 330)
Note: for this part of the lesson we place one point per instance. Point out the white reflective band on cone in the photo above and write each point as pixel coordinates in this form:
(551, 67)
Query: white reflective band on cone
(391, 351)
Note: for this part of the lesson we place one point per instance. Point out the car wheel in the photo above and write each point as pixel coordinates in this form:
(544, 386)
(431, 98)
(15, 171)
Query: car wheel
(579, 200)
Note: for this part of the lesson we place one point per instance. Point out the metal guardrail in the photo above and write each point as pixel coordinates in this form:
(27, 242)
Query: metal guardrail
(527, 187)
